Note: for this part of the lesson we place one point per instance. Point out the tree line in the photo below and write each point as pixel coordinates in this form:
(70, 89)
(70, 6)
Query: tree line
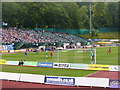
(63, 15)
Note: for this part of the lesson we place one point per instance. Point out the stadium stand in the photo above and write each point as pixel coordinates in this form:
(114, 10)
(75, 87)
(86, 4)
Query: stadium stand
(11, 35)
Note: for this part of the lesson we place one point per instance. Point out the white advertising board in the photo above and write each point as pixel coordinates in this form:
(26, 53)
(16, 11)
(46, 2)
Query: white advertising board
(88, 81)
(12, 62)
(10, 76)
(114, 68)
(61, 65)
(32, 78)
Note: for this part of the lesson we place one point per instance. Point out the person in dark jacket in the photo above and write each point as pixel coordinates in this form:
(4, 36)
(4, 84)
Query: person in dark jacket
(21, 62)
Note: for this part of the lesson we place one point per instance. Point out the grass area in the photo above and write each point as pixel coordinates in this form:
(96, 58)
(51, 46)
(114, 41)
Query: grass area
(71, 56)
(107, 35)
(46, 71)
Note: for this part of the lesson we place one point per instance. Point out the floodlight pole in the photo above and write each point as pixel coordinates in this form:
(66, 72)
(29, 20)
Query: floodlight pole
(90, 7)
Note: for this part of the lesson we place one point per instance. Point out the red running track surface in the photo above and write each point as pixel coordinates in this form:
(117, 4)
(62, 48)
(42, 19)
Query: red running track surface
(14, 84)
(106, 74)
(24, 85)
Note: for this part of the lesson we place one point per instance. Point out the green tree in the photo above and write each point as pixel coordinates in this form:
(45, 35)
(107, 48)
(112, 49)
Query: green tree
(83, 18)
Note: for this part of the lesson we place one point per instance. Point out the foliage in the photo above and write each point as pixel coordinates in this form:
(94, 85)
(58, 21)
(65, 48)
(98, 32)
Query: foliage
(106, 35)
(64, 15)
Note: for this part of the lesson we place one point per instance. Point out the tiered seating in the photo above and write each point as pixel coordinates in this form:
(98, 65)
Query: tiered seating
(30, 36)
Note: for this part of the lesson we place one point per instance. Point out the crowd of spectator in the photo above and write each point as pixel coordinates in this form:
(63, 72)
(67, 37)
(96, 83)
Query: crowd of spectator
(31, 36)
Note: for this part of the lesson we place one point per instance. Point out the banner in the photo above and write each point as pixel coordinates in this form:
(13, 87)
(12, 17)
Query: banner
(29, 63)
(12, 62)
(11, 51)
(17, 50)
(44, 64)
(78, 66)
(114, 83)
(5, 51)
(61, 65)
(6, 47)
(5, 24)
(92, 81)
(99, 67)
(59, 80)
(96, 39)
(114, 68)
(105, 40)
(2, 61)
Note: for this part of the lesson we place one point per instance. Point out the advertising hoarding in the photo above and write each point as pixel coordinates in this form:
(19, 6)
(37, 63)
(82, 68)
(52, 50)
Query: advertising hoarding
(114, 68)
(59, 80)
(44, 64)
(78, 66)
(61, 65)
(2, 61)
(114, 83)
(30, 63)
(99, 67)
(12, 62)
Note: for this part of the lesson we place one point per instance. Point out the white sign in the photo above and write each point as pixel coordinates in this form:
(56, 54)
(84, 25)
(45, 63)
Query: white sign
(12, 51)
(114, 68)
(12, 62)
(10, 76)
(32, 78)
(88, 81)
(113, 40)
(61, 65)
(65, 44)
(78, 66)
(23, 50)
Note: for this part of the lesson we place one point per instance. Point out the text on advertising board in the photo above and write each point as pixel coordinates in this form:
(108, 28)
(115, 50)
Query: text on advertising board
(114, 83)
(99, 67)
(79, 66)
(59, 80)
(12, 62)
(29, 63)
(44, 64)
(61, 65)
(2, 61)
(114, 68)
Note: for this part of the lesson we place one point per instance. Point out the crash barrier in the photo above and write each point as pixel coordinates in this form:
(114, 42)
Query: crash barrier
(65, 65)
(97, 82)
(9, 76)
(32, 78)
(56, 80)
(22, 77)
